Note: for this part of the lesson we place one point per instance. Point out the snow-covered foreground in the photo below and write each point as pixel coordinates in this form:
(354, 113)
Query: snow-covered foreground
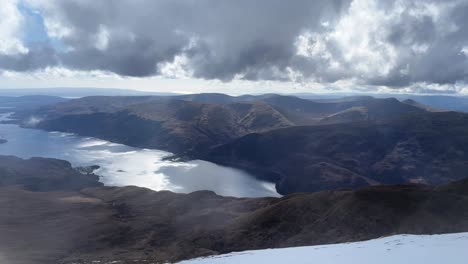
(414, 249)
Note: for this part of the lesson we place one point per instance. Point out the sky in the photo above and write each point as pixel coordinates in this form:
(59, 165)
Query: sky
(237, 46)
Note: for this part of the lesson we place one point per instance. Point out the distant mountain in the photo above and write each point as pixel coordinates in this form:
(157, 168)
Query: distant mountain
(78, 92)
(422, 106)
(214, 98)
(191, 124)
(452, 103)
(420, 147)
(307, 112)
(137, 225)
(312, 112)
(301, 145)
(440, 102)
(167, 123)
(24, 103)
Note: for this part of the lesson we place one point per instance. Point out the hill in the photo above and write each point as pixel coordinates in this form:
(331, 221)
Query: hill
(137, 225)
(25, 103)
(43, 174)
(301, 145)
(428, 148)
(176, 125)
(192, 124)
(76, 92)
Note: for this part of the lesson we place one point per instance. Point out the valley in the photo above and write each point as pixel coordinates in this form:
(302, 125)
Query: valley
(121, 165)
(66, 224)
(266, 131)
(298, 144)
(350, 169)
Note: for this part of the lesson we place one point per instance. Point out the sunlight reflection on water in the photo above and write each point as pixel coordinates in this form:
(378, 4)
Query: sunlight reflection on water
(123, 165)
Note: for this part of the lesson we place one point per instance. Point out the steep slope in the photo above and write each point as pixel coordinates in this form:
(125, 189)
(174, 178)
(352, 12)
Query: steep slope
(353, 114)
(43, 227)
(422, 106)
(192, 124)
(136, 225)
(179, 126)
(425, 148)
(308, 112)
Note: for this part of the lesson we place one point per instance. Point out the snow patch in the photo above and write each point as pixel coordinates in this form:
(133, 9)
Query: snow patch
(414, 249)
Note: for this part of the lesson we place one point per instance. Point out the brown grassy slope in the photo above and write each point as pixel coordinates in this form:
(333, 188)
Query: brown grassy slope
(131, 223)
(426, 148)
(43, 174)
(192, 124)
(169, 124)
(136, 225)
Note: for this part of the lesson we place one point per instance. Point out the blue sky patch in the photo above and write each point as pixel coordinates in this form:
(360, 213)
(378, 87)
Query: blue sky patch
(34, 31)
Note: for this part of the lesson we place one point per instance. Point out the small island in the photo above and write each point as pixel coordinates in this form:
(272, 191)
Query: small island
(3, 141)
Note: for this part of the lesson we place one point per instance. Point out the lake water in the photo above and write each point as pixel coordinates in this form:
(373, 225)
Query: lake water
(123, 165)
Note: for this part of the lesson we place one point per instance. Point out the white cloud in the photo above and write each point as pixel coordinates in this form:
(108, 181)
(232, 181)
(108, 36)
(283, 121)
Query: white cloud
(11, 22)
(357, 41)
(62, 77)
(366, 44)
(56, 30)
(178, 68)
(102, 38)
(419, 48)
(52, 21)
(464, 50)
(57, 73)
(311, 44)
(362, 38)
(377, 41)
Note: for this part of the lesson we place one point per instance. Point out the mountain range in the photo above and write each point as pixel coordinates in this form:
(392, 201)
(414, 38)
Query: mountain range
(351, 169)
(195, 123)
(301, 145)
(426, 148)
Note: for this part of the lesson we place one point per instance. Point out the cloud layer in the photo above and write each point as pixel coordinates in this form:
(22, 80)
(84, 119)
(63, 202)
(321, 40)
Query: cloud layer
(384, 43)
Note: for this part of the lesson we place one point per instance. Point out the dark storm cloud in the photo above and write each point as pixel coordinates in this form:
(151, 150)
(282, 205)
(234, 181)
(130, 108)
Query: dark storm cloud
(228, 37)
(137, 58)
(392, 43)
(38, 57)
